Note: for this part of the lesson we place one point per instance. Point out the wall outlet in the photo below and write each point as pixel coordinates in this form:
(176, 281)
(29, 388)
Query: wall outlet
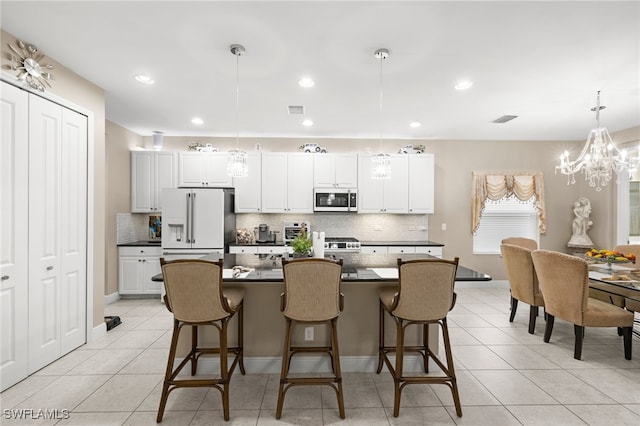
(377, 228)
(422, 228)
(308, 334)
(444, 226)
(412, 228)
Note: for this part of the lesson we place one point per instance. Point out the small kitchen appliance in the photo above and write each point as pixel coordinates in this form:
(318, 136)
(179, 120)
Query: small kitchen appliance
(264, 235)
(335, 200)
(290, 230)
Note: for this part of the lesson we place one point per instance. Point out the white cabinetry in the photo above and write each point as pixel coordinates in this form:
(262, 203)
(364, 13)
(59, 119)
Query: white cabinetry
(409, 190)
(151, 172)
(431, 250)
(335, 171)
(44, 233)
(243, 249)
(421, 183)
(203, 169)
(248, 193)
(383, 195)
(287, 183)
(137, 265)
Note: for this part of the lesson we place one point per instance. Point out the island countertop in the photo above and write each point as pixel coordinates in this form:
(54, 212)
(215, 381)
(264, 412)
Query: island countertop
(270, 269)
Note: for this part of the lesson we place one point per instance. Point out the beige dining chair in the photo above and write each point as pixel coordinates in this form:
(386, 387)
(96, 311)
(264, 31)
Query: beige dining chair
(196, 298)
(424, 295)
(521, 242)
(311, 296)
(564, 282)
(629, 249)
(523, 281)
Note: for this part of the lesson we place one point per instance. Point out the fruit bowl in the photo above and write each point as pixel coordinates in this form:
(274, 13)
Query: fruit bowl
(608, 256)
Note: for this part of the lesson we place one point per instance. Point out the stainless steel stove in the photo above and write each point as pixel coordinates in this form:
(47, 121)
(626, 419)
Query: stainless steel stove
(341, 244)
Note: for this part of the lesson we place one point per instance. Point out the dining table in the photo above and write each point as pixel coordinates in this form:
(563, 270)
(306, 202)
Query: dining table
(620, 283)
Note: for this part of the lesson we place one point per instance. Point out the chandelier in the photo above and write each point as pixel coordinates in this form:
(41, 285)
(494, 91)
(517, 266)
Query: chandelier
(237, 163)
(381, 163)
(599, 158)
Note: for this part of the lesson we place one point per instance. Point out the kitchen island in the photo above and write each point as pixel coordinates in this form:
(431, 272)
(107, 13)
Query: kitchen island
(363, 276)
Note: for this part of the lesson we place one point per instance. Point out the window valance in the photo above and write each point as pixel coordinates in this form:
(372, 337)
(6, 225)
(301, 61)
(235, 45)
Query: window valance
(494, 186)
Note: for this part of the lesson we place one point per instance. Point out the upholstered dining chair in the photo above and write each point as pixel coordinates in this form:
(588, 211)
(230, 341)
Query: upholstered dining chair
(523, 281)
(196, 298)
(564, 282)
(424, 295)
(521, 242)
(311, 296)
(629, 249)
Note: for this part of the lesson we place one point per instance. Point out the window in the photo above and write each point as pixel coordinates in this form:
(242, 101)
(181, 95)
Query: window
(507, 217)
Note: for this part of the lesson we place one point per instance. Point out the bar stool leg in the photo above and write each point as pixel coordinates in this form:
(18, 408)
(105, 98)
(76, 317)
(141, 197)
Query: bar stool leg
(224, 367)
(241, 337)
(397, 377)
(451, 371)
(169, 371)
(425, 343)
(380, 338)
(194, 349)
(336, 363)
(286, 354)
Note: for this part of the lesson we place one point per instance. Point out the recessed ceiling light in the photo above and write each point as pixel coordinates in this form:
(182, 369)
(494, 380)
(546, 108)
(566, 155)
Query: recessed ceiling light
(144, 79)
(306, 82)
(197, 120)
(463, 85)
(415, 124)
(307, 123)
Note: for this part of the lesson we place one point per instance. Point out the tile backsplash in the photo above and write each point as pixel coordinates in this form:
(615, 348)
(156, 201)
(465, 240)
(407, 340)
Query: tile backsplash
(132, 227)
(364, 227)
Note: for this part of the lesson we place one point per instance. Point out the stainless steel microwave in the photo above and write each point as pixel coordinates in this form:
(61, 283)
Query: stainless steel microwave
(335, 200)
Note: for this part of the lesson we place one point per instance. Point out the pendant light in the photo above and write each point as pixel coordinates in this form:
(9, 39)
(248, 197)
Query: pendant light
(599, 159)
(381, 163)
(237, 164)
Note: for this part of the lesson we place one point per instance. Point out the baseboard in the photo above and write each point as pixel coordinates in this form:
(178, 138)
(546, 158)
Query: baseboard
(110, 298)
(98, 331)
(306, 364)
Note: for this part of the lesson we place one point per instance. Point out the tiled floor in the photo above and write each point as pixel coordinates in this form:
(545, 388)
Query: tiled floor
(506, 376)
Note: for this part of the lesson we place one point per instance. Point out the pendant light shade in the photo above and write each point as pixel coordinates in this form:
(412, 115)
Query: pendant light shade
(237, 163)
(381, 163)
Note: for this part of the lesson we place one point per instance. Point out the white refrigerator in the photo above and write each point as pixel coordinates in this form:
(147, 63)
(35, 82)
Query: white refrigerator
(196, 222)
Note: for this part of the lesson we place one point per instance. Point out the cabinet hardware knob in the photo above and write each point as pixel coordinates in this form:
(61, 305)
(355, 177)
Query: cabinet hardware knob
(49, 268)
(4, 277)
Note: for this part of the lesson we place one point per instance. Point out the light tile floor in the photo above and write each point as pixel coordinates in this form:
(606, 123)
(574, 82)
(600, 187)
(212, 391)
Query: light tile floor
(505, 375)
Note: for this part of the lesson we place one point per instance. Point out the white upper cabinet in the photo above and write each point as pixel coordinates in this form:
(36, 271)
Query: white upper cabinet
(421, 183)
(248, 197)
(151, 172)
(408, 190)
(335, 171)
(204, 169)
(287, 182)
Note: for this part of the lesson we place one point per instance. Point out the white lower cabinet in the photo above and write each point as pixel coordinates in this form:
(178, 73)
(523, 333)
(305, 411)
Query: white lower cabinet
(435, 251)
(374, 249)
(243, 249)
(137, 265)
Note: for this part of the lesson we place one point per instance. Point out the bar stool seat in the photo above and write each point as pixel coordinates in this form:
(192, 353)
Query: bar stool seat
(312, 296)
(195, 296)
(423, 297)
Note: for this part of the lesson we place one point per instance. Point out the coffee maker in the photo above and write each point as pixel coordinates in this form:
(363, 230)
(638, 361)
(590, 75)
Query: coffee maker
(264, 235)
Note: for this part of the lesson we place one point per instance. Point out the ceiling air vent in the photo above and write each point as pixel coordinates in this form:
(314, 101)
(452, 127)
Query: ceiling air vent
(504, 119)
(296, 109)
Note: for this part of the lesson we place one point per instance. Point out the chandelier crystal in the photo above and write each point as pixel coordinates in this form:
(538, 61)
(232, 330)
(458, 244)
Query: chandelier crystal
(600, 158)
(381, 163)
(237, 162)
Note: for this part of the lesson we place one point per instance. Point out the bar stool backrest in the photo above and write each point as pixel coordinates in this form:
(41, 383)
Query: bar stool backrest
(426, 288)
(194, 290)
(312, 289)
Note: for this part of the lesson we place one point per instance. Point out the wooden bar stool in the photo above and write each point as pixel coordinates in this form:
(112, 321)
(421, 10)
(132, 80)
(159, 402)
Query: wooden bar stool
(196, 298)
(311, 296)
(424, 296)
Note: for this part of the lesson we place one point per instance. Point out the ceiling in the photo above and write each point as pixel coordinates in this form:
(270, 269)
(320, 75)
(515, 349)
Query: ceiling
(541, 61)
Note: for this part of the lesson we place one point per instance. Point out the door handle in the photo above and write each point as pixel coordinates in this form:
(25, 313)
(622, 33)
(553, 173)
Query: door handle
(4, 278)
(49, 268)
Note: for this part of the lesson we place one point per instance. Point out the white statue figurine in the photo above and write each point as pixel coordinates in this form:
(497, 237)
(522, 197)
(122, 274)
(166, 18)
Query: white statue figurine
(581, 223)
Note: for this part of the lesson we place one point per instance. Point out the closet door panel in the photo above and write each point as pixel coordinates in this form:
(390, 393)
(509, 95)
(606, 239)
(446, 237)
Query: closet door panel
(45, 120)
(14, 249)
(73, 230)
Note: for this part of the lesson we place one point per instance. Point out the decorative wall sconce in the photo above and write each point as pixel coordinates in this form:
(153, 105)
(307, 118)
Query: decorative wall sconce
(27, 61)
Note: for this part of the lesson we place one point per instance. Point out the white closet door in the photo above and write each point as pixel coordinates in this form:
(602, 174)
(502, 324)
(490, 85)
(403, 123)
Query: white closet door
(73, 241)
(45, 121)
(14, 250)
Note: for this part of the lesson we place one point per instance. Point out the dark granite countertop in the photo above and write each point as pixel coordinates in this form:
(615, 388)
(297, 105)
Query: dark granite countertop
(401, 243)
(270, 271)
(144, 243)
